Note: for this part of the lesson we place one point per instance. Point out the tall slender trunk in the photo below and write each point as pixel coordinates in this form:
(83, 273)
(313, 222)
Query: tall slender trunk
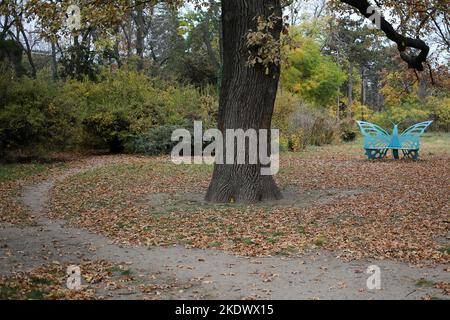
(422, 89)
(28, 50)
(140, 35)
(54, 62)
(350, 90)
(127, 29)
(206, 39)
(247, 98)
(363, 85)
(338, 110)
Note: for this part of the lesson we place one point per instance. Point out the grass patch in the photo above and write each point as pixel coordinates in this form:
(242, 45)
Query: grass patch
(214, 244)
(41, 281)
(445, 249)
(244, 240)
(285, 252)
(8, 293)
(36, 294)
(301, 230)
(320, 241)
(277, 233)
(424, 283)
(126, 272)
(10, 172)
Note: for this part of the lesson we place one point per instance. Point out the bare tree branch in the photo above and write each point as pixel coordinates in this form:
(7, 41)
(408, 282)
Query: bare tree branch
(413, 61)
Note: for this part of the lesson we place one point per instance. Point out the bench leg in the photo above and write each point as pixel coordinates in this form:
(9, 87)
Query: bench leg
(373, 154)
(395, 153)
(411, 154)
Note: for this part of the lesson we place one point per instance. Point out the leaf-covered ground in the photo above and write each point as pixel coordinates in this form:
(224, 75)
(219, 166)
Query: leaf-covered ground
(49, 282)
(100, 279)
(13, 177)
(341, 202)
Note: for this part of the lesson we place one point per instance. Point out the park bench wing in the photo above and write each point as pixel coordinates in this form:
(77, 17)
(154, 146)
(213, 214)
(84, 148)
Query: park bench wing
(409, 139)
(375, 137)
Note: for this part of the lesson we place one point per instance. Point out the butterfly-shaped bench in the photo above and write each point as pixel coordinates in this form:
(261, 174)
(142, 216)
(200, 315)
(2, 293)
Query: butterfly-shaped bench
(377, 141)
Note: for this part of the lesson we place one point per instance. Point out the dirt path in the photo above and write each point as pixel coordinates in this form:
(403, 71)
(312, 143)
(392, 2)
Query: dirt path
(206, 274)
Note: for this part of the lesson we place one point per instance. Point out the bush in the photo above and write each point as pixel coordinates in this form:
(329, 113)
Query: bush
(410, 111)
(312, 127)
(38, 116)
(441, 111)
(156, 141)
(128, 104)
(302, 124)
(348, 130)
(285, 105)
(361, 112)
(112, 127)
(32, 120)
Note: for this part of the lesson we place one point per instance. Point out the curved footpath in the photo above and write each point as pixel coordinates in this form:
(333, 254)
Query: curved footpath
(206, 274)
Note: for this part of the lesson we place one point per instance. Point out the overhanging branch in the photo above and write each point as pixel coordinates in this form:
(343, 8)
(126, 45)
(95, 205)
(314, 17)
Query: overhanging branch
(413, 61)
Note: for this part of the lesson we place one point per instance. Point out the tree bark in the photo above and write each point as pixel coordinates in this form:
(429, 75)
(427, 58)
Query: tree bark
(140, 35)
(338, 110)
(207, 40)
(350, 90)
(29, 53)
(414, 61)
(247, 98)
(363, 85)
(54, 61)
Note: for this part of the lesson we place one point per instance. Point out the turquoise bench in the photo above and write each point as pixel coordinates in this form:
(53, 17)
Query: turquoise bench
(377, 141)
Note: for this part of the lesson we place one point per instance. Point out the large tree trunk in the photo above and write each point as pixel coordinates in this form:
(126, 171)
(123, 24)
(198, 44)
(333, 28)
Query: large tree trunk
(247, 100)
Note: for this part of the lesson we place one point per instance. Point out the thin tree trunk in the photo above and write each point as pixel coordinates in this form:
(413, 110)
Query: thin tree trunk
(338, 111)
(140, 36)
(247, 100)
(422, 89)
(350, 90)
(363, 85)
(28, 50)
(206, 39)
(29, 56)
(54, 62)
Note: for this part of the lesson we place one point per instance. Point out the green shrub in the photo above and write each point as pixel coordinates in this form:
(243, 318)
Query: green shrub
(441, 111)
(37, 116)
(128, 105)
(348, 130)
(31, 119)
(316, 127)
(110, 126)
(302, 124)
(285, 105)
(410, 111)
(156, 141)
